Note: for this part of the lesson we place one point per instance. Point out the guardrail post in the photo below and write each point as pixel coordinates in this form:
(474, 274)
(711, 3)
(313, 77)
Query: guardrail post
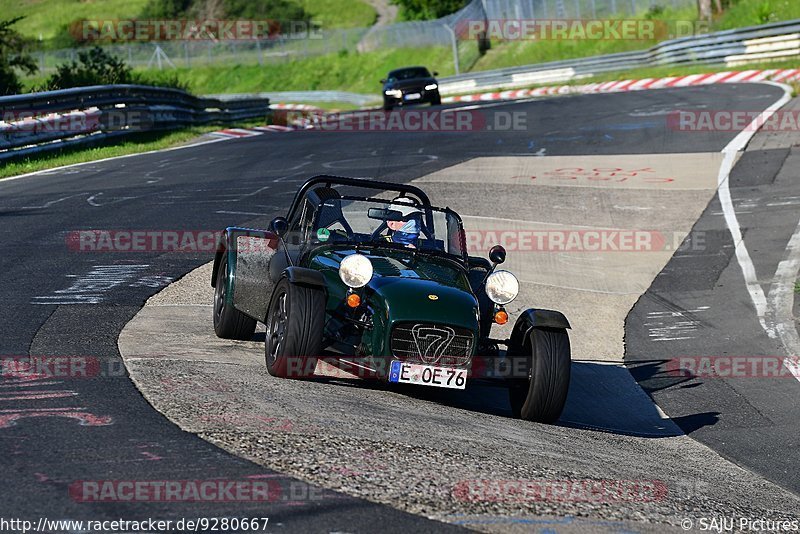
(455, 46)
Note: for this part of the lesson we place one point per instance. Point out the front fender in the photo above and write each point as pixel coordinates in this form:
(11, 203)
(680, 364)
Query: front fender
(304, 276)
(534, 318)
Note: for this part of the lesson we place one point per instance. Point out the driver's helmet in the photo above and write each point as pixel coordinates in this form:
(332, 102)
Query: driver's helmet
(408, 234)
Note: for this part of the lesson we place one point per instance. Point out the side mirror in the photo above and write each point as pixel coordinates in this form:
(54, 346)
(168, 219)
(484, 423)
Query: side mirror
(497, 255)
(279, 225)
(435, 73)
(383, 81)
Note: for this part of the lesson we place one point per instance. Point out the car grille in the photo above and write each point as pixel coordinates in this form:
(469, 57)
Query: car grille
(430, 344)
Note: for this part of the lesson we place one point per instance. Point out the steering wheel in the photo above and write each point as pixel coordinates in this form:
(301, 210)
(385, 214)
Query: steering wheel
(377, 232)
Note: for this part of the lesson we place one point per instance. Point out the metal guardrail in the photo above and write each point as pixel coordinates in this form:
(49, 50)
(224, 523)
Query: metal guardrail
(52, 120)
(356, 99)
(774, 41)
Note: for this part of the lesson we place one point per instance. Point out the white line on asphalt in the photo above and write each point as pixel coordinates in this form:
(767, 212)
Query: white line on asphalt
(781, 295)
(774, 315)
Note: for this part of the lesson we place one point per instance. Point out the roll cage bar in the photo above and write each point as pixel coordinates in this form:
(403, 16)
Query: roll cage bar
(329, 180)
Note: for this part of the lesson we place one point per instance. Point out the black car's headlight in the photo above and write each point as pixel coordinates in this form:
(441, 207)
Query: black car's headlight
(396, 93)
(431, 87)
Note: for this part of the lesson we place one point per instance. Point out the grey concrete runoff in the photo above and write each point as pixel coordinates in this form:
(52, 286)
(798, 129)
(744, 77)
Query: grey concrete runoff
(417, 450)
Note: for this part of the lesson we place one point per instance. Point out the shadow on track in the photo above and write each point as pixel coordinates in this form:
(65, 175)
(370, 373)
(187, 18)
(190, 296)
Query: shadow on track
(602, 397)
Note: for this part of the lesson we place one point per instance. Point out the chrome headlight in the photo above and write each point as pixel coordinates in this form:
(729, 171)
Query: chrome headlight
(431, 87)
(355, 270)
(396, 93)
(502, 287)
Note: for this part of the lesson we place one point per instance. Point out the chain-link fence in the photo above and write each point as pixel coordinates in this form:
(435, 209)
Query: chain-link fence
(444, 32)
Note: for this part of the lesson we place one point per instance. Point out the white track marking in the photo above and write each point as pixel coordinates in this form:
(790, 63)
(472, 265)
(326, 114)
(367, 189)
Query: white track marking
(775, 314)
(781, 300)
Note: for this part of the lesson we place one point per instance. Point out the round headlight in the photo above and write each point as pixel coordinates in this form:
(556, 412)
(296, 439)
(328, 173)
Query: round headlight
(355, 270)
(502, 287)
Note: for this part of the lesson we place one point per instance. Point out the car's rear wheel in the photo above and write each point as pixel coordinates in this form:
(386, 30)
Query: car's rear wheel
(295, 322)
(229, 323)
(541, 397)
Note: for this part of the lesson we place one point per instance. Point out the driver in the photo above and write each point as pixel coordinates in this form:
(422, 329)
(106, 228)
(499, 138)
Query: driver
(405, 231)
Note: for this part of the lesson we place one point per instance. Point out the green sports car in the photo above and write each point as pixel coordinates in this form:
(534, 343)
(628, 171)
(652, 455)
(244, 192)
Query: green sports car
(370, 277)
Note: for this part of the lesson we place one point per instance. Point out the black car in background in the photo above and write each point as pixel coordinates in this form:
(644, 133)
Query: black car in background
(410, 85)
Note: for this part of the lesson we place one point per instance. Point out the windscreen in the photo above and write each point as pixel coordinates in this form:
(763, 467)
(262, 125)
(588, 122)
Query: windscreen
(378, 221)
(408, 74)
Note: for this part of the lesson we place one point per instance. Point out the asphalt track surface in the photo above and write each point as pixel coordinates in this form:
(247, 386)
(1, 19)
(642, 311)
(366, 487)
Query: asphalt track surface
(698, 306)
(112, 433)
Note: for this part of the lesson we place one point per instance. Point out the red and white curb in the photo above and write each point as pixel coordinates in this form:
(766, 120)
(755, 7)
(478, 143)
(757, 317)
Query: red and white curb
(304, 120)
(747, 76)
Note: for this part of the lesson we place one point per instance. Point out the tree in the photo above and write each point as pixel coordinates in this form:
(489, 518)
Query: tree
(94, 67)
(13, 58)
(428, 9)
(704, 8)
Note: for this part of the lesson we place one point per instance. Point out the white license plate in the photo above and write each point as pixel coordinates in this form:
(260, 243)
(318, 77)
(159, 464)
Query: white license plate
(413, 96)
(428, 375)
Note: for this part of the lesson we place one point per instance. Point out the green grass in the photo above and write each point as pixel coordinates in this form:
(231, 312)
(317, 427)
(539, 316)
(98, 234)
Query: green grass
(797, 287)
(753, 12)
(131, 145)
(526, 52)
(340, 13)
(47, 18)
(355, 72)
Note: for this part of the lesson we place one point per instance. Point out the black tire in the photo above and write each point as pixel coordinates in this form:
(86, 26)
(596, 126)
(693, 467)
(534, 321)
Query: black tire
(436, 101)
(541, 398)
(387, 107)
(295, 323)
(229, 323)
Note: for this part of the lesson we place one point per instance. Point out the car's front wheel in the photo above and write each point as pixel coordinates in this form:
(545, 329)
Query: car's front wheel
(541, 397)
(436, 100)
(229, 323)
(295, 322)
